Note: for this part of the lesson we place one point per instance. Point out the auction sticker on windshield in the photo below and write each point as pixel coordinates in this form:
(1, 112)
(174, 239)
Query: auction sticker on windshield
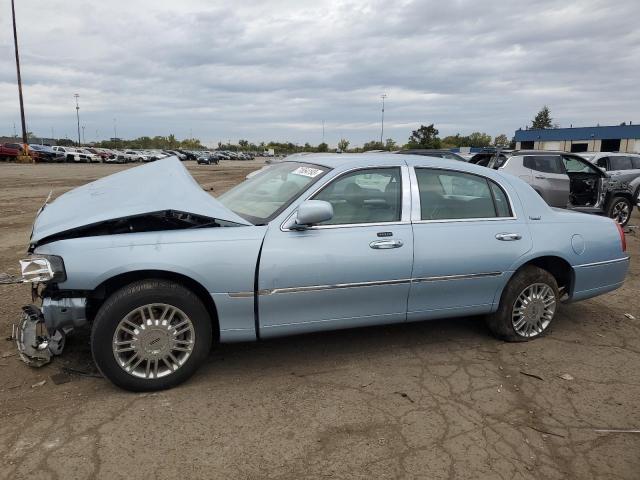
(307, 172)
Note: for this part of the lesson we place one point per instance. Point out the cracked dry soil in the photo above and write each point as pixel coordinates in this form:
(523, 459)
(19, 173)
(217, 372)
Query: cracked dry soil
(440, 399)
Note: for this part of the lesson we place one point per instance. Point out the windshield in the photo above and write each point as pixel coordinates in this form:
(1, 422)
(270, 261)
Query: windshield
(264, 195)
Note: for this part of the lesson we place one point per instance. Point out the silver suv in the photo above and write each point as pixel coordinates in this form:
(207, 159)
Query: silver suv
(623, 166)
(567, 180)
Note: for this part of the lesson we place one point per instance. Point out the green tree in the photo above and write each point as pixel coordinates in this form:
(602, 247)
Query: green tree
(390, 144)
(424, 137)
(479, 139)
(343, 144)
(543, 119)
(501, 141)
(323, 147)
(243, 144)
(372, 145)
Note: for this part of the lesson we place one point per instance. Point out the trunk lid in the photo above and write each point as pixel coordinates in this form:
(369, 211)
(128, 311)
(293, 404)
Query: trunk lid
(159, 186)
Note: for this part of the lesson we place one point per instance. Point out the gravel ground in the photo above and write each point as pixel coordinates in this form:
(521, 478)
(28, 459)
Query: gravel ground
(440, 399)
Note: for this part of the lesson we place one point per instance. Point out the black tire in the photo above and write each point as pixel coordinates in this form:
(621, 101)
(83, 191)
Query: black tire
(620, 209)
(131, 297)
(500, 323)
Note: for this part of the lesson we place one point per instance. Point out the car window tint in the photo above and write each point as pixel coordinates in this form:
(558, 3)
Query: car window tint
(635, 161)
(602, 162)
(501, 202)
(370, 195)
(620, 162)
(574, 165)
(447, 195)
(543, 163)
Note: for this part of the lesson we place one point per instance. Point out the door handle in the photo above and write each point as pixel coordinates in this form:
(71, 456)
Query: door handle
(386, 244)
(508, 237)
(541, 177)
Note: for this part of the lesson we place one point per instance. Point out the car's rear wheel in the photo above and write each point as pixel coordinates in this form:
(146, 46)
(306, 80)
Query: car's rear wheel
(150, 335)
(527, 306)
(620, 209)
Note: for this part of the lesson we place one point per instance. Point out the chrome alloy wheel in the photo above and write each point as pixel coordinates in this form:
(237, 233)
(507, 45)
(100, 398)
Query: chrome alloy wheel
(621, 212)
(533, 310)
(153, 341)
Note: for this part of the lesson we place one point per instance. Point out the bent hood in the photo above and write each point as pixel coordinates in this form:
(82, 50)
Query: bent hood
(162, 185)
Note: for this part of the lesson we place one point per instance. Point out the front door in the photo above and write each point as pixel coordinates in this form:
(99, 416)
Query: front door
(350, 271)
(467, 236)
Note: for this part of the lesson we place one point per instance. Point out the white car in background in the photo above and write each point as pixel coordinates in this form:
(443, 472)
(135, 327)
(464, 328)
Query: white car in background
(70, 154)
(87, 156)
(137, 156)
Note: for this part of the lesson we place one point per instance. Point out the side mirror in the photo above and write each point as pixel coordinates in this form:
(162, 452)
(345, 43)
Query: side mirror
(310, 213)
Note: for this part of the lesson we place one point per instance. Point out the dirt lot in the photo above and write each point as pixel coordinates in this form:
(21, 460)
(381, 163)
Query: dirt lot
(441, 399)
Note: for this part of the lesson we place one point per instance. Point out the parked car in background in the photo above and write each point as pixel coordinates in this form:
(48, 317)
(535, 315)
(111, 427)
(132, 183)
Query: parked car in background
(44, 153)
(10, 151)
(98, 152)
(566, 180)
(136, 156)
(70, 153)
(623, 166)
(208, 158)
(433, 153)
(88, 156)
(484, 157)
(158, 268)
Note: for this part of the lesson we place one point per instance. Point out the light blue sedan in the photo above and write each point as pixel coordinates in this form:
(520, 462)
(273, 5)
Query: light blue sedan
(159, 268)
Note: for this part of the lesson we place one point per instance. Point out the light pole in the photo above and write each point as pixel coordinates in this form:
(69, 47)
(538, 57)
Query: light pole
(383, 96)
(15, 43)
(78, 115)
(83, 137)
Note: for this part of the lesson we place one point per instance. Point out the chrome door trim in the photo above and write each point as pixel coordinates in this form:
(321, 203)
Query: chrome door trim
(338, 286)
(405, 199)
(606, 262)
(466, 276)
(416, 210)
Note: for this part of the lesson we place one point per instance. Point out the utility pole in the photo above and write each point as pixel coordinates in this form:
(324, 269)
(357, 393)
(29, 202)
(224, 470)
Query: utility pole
(78, 115)
(15, 43)
(383, 96)
(83, 137)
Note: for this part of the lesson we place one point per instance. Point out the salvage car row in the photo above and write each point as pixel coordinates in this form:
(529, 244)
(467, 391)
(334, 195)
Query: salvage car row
(60, 154)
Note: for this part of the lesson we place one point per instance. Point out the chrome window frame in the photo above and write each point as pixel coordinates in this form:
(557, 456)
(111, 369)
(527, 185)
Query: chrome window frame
(416, 211)
(405, 200)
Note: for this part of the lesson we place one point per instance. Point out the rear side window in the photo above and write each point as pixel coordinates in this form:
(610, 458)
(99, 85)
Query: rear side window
(543, 163)
(602, 162)
(448, 195)
(620, 163)
(635, 161)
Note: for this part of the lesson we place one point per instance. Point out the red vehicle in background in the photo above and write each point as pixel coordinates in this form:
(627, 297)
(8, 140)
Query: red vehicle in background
(10, 151)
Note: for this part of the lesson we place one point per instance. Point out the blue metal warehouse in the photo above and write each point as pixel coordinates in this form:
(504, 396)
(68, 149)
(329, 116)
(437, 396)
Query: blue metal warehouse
(619, 138)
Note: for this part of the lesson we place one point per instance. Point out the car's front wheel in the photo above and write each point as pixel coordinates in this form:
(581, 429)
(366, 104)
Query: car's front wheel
(620, 209)
(150, 335)
(527, 306)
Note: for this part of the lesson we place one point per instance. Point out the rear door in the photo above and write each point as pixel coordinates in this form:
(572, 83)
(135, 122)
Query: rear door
(549, 178)
(467, 235)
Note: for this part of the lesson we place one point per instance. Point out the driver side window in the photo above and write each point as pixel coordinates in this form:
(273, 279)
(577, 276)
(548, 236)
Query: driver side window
(372, 195)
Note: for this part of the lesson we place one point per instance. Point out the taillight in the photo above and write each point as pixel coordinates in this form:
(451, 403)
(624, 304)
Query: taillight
(623, 240)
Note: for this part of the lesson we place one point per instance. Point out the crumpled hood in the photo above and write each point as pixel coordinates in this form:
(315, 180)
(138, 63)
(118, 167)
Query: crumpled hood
(162, 185)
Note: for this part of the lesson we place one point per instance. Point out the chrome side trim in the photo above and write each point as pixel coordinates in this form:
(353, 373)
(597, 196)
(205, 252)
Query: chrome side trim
(594, 264)
(338, 286)
(456, 277)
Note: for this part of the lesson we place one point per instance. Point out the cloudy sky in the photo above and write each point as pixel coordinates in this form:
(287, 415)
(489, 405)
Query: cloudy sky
(266, 70)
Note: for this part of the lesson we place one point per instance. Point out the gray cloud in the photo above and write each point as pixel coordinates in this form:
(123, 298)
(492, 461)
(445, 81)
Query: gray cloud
(275, 69)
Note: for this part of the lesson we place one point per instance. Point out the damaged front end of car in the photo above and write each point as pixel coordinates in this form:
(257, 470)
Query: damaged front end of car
(41, 332)
(152, 199)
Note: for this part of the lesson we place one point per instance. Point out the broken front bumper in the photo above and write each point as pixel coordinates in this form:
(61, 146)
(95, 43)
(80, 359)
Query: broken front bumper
(41, 332)
(35, 345)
